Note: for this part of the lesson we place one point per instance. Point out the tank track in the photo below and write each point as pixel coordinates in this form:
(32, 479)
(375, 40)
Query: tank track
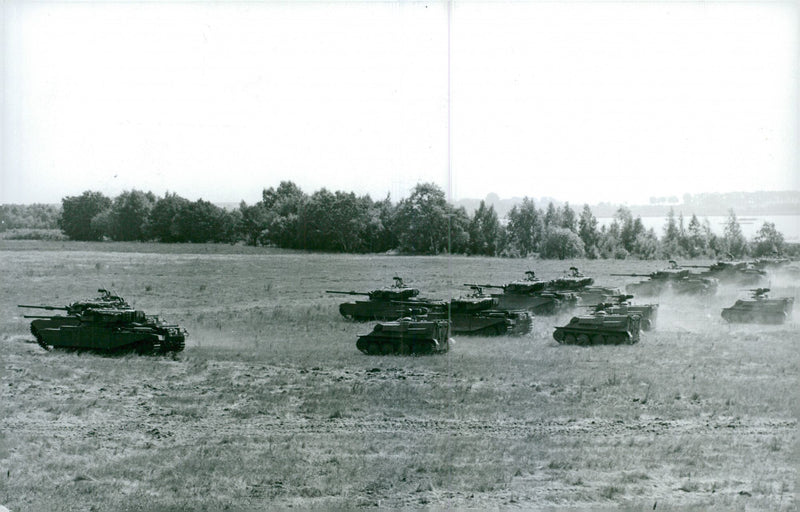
(373, 345)
(751, 318)
(580, 338)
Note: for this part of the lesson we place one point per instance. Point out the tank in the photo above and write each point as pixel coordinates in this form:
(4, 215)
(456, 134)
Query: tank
(770, 263)
(622, 306)
(406, 336)
(600, 328)
(106, 330)
(572, 281)
(675, 279)
(531, 294)
(742, 273)
(477, 314)
(759, 309)
(382, 303)
(575, 281)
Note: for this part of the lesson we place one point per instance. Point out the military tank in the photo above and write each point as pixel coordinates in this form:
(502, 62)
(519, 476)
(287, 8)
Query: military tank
(531, 294)
(106, 329)
(383, 303)
(622, 306)
(406, 336)
(572, 280)
(759, 309)
(478, 314)
(675, 279)
(742, 273)
(600, 328)
(770, 262)
(575, 281)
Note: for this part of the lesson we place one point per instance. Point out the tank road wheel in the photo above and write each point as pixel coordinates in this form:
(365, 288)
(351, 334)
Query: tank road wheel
(570, 339)
(404, 349)
(373, 348)
(423, 347)
(558, 336)
(646, 324)
(387, 348)
(38, 337)
(583, 339)
(598, 339)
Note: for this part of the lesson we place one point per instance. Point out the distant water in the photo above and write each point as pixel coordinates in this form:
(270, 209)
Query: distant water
(789, 225)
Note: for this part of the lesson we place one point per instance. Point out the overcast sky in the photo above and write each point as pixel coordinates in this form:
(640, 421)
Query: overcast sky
(584, 102)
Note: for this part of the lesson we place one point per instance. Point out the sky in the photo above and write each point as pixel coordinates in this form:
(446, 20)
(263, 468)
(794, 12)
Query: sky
(580, 101)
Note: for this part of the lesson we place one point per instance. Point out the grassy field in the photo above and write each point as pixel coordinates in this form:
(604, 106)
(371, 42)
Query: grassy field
(272, 406)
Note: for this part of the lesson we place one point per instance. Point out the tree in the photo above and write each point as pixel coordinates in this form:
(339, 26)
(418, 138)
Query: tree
(562, 243)
(484, 231)
(629, 230)
(422, 220)
(552, 216)
(670, 243)
(77, 213)
(567, 218)
(284, 205)
(525, 228)
(768, 241)
(201, 222)
(129, 214)
(161, 223)
(587, 230)
(458, 230)
(646, 245)
(254, 223)
(733, 239)
(696, 237)
(334, 221)
(379, 233)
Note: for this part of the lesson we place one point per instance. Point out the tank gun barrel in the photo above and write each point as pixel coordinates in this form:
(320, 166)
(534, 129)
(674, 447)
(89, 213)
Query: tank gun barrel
(631, 275)
(471, 285)
(346, 293)
(43, 316)
(48, 308)
(696, 266)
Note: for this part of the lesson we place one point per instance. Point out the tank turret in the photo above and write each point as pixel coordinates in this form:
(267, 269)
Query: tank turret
(759, 309)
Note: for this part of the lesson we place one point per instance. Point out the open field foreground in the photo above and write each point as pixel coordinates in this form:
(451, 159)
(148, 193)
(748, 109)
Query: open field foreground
(271, 405)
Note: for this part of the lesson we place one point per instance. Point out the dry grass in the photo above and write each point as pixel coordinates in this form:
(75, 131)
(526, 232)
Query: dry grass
(272, 406)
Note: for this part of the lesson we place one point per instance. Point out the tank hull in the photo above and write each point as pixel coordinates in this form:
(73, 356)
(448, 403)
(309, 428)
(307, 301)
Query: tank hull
(544, 303)
(599, 330)
(72, 333)
(686, 286)
(492, 323)
(366, 310)
(764, 311)
(406, 337)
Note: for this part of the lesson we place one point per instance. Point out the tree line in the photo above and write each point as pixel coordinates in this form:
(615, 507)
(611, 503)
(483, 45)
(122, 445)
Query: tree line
(422, 223)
